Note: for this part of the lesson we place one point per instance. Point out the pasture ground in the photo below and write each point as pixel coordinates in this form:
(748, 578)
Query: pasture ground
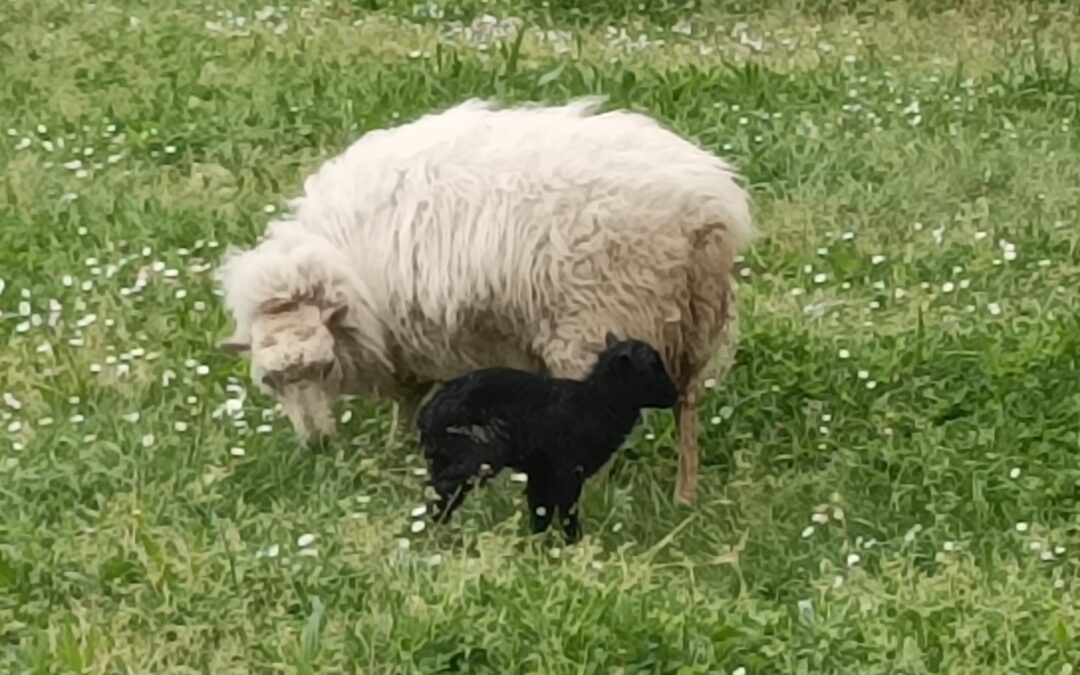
(891, 479)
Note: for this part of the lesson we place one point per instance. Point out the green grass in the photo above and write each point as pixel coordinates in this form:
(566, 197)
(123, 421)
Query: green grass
(891, 472)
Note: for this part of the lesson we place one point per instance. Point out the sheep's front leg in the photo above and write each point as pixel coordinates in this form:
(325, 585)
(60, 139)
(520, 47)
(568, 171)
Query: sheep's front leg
(405, 408)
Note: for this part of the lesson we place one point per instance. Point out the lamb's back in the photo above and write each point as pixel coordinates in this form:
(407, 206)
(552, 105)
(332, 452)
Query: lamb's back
(509, 397)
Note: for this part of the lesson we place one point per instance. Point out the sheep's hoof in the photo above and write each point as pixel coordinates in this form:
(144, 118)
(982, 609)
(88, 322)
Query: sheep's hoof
(685, 493)
(395, 422)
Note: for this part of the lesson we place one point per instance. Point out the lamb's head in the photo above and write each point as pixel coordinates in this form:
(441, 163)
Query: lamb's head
(636, 371)
(293, 359)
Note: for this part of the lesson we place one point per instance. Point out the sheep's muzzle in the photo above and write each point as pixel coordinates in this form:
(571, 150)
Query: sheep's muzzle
(310, 408)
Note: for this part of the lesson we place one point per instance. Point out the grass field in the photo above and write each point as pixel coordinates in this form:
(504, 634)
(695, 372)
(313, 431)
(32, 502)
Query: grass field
(891, 472)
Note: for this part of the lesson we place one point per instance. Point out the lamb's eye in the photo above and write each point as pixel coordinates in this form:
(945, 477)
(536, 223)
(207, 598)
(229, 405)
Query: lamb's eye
(271, 379)
(326, 369)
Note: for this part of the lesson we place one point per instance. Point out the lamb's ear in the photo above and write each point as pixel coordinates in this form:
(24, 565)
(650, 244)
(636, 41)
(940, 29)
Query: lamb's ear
(610, 340)
(334, 314)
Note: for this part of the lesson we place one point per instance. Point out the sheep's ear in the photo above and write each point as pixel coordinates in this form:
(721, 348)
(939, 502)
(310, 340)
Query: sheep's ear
(334, 314)
(235, 344)
(277, 305)
(610, 340)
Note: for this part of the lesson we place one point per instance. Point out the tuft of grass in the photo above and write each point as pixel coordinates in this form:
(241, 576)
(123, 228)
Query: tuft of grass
(890, 473)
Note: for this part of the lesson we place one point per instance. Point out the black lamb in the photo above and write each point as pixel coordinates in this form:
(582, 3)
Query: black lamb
(558, 431)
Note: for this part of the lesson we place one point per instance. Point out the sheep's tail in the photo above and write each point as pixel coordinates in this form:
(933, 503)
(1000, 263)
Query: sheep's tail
(710, 336)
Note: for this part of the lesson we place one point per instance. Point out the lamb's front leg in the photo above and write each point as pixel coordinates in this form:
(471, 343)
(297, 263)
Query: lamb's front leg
(569, 495)
(550, 494)
(451, 496)
(452, 480)
(539, 494)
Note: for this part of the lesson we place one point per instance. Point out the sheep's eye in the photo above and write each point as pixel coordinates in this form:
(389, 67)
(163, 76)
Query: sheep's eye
(271, 380)
(327, 369)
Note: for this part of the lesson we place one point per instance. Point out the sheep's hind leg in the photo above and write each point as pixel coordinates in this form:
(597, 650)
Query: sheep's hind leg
(687, 420)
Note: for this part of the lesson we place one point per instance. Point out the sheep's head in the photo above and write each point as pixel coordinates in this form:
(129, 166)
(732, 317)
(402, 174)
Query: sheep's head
(291, 345)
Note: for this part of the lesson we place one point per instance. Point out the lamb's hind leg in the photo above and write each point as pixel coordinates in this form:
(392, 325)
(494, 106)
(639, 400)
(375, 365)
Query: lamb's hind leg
(569, 494)
(542, 497)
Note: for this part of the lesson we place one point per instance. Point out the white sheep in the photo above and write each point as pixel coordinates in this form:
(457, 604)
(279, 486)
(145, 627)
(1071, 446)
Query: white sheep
(486, 236)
